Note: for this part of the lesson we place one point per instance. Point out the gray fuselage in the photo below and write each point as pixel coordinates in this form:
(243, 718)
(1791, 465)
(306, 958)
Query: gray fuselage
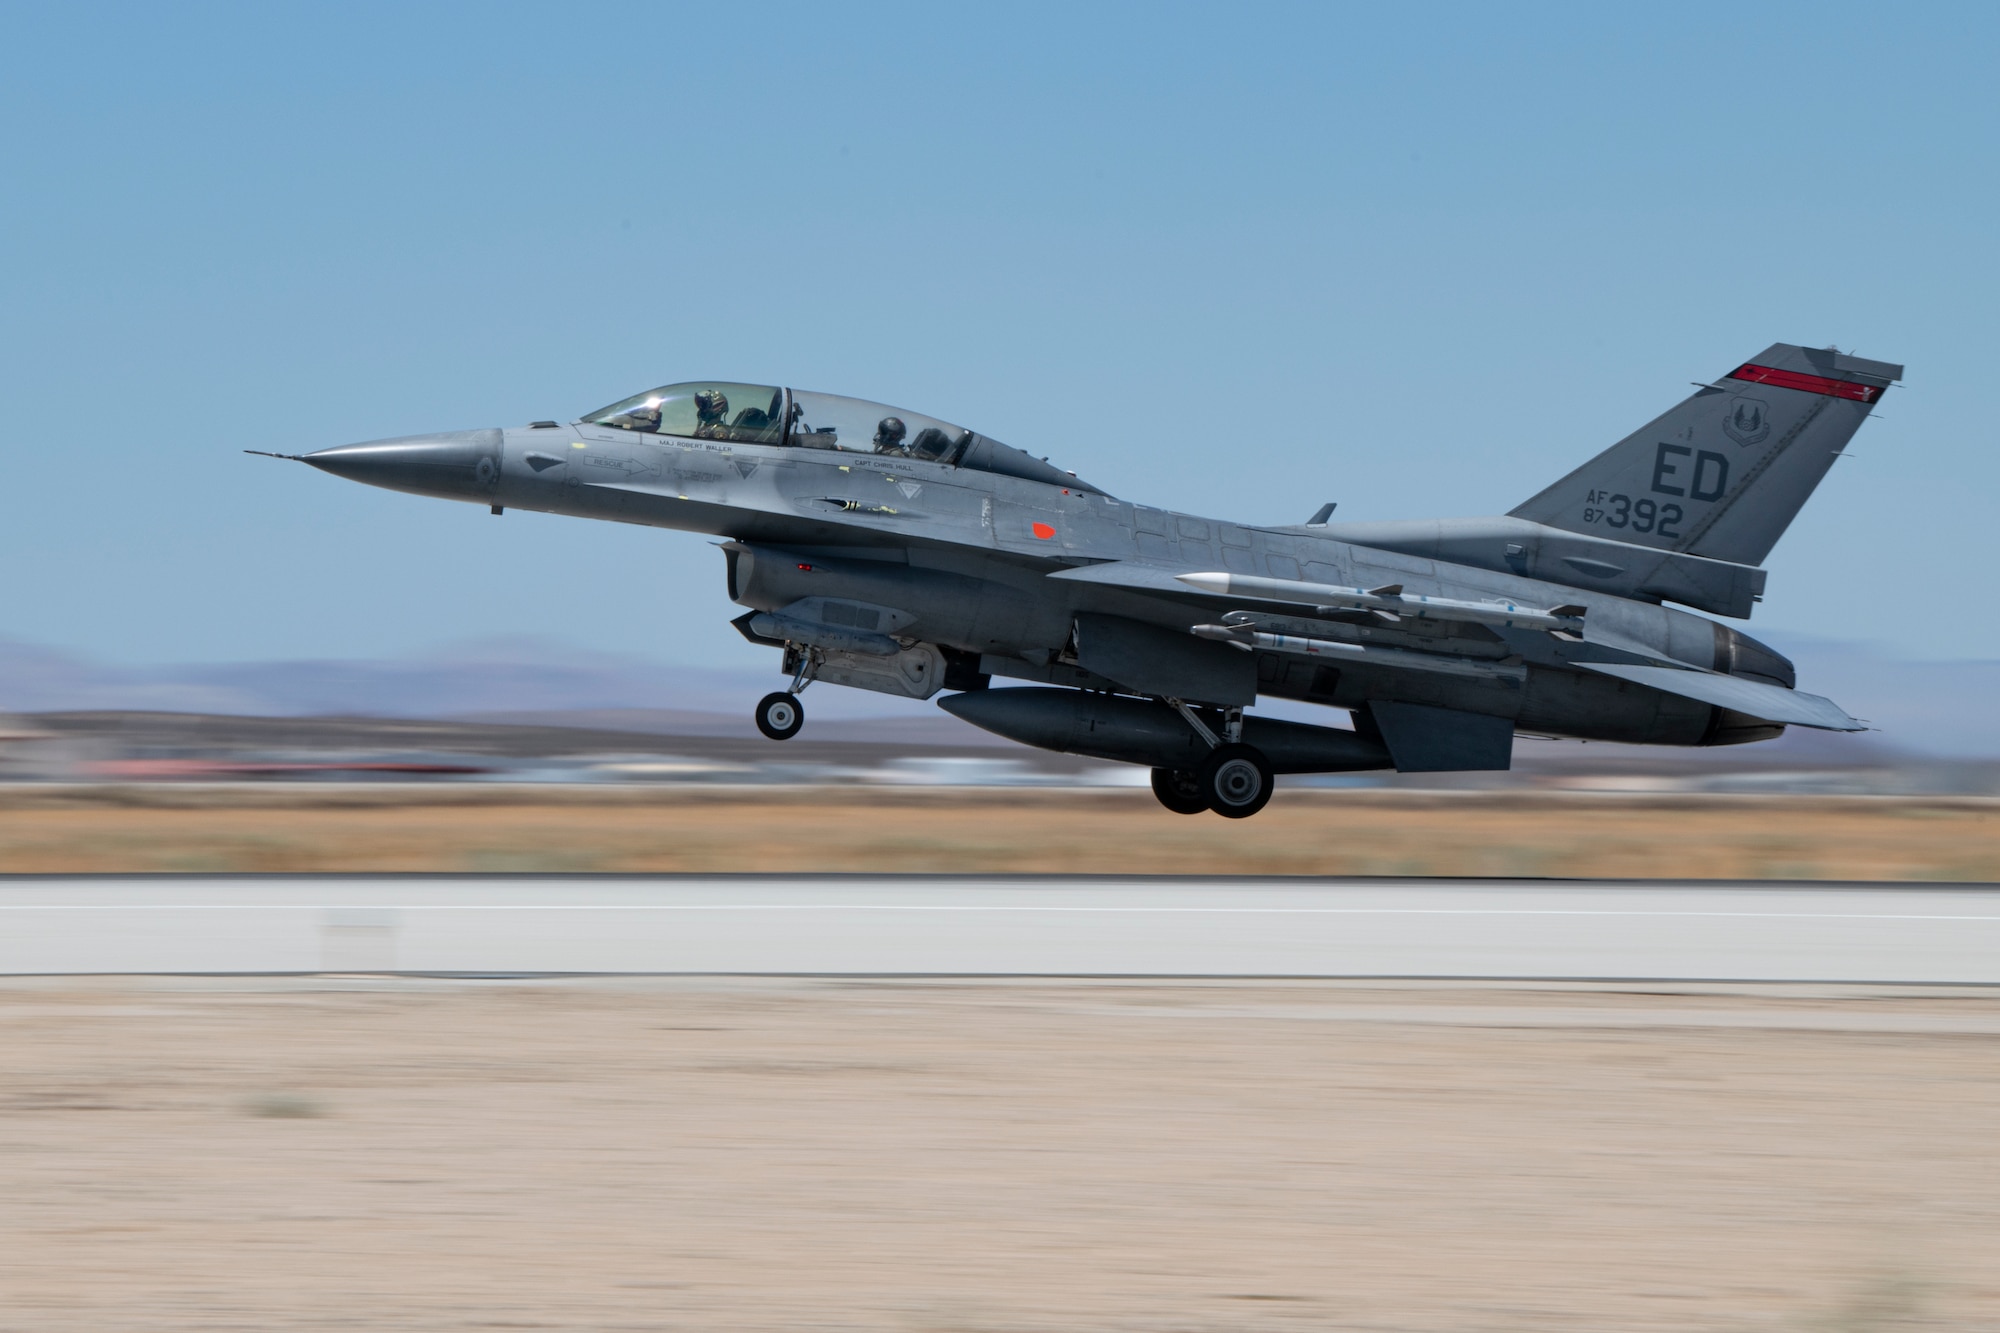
(972, 561)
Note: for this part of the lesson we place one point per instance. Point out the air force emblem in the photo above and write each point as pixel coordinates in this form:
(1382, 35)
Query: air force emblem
(1747, 421)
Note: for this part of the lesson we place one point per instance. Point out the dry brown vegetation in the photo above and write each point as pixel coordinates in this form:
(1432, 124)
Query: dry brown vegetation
(981, 1158)
(665, 829)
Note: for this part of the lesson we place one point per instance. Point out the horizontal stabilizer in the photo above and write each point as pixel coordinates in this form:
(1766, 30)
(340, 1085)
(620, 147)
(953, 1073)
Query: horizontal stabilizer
(1772, 703)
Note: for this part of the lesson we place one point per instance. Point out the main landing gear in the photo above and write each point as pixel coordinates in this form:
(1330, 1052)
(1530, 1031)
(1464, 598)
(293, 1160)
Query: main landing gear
(780, 715)
(1179, 790)
(1234, 780)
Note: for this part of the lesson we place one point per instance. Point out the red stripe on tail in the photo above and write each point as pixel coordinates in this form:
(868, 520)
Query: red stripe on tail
(1792, 379)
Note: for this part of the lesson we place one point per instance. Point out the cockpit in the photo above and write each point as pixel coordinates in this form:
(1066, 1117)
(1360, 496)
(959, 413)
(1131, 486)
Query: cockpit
(792, 418)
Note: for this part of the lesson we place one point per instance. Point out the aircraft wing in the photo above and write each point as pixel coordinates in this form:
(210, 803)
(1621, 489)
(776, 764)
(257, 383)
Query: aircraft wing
(1772, 703)
(1138, 577)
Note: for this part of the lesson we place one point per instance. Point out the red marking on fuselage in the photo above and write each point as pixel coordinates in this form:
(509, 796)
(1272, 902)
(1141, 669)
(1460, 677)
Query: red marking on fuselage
(1044, 531)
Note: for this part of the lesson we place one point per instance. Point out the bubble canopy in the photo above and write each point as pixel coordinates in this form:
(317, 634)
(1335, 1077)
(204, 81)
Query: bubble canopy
(797, 419)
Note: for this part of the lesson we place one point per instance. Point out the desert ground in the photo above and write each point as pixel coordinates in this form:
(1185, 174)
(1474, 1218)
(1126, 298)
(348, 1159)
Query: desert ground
(995, 1158)
(281, 827)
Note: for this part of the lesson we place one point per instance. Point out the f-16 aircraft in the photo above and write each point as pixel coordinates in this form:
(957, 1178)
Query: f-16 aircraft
(882, 549)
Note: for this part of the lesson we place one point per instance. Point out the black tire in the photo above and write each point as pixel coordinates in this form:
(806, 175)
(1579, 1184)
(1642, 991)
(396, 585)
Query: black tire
(1236, 780)
(1179, 790)
(780, 716)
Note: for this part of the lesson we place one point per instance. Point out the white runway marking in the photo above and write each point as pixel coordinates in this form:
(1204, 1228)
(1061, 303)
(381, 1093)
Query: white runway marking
(940, 925)
(886, 907)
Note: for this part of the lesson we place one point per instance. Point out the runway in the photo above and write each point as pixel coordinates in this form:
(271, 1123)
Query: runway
(970, 926)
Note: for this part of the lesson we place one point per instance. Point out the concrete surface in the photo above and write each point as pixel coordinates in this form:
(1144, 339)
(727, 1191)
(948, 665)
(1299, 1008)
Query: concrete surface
(954, 1155)
(931, 925)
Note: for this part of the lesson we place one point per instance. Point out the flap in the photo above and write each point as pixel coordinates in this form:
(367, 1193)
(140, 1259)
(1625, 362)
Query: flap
(1152, 660)
(1424, 739)
(1772, 703)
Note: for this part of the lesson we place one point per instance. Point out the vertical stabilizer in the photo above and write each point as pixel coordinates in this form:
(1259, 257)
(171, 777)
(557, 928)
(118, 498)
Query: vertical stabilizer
(1722, 475)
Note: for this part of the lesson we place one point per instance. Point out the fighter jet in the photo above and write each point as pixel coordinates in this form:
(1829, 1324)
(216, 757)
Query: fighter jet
(882, 549)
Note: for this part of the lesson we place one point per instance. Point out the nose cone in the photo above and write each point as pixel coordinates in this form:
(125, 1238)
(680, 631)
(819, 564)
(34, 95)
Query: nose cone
(458, 465)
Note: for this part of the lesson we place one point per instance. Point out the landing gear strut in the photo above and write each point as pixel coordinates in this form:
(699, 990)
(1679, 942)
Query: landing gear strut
(1235, 780)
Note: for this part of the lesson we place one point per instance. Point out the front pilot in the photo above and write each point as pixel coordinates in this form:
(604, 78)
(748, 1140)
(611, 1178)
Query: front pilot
(711, 415)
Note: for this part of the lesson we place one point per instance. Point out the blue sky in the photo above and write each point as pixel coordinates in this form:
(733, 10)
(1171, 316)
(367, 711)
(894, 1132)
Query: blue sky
(1417, 259)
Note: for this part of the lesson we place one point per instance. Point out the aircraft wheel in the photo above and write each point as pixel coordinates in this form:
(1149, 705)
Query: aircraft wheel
(780, 716)
(1179, 790)
(1236, 780)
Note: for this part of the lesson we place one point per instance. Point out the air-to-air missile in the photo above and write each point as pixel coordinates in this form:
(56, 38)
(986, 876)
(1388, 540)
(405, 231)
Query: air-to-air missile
(886, 550)
(1388, 602)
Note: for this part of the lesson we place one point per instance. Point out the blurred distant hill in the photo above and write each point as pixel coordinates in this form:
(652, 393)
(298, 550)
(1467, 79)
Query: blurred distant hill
(1942, 709)
(486, 676)
(1945, 708)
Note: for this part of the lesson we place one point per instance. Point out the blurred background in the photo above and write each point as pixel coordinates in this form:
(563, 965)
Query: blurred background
(1418, 262)
(527, 710)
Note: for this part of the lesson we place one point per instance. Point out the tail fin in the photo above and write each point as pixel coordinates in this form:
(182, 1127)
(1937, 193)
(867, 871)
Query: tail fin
(1723, 474)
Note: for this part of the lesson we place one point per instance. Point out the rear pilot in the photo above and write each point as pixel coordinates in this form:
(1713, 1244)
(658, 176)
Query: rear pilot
(889, 437)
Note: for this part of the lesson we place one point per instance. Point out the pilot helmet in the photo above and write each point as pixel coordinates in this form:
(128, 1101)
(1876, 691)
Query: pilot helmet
(711, 404)
(889, 435)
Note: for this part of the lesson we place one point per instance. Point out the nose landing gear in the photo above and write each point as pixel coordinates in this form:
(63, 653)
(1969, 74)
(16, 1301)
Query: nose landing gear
(780, 715)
